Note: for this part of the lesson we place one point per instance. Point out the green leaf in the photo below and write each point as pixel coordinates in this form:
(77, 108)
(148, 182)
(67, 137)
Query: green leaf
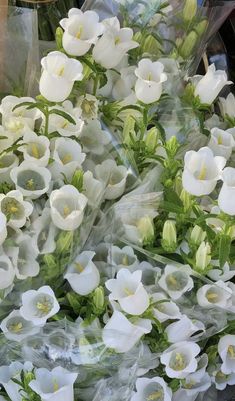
(3, 137)
(23, 104)
(224, 249)
(171, 207)
(130, 107)
(171, 196)
(63, 114)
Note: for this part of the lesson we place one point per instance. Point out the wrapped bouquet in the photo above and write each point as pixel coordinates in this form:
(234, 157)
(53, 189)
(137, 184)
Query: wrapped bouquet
(117, 208)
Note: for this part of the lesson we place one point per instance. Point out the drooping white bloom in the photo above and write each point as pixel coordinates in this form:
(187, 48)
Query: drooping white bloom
(7, 163)
(226, 349)
(227, 105)
(210, 85)
(82, 274)
(152, 389)
(81, 31)
(15, 208)
(7, 373)
(122, 258)
(55, 385)
(226, 199)
(129, 291)
(221, 143)
(60, 124)
(38, 306)
(121, 335)
(31, 180)
(3, 228)
(176, 281)
(67, 207)
(201, 171)
(44, 233)
(164, 308)
(7, 272)
(148, 87)
(24, 257)
(113, 176)
(180, 359)
(16, 328)
(58, 76)
(114, 44)
(214, 295)
(93, 138)
(93, 189)
(183, 329)
(36, 149)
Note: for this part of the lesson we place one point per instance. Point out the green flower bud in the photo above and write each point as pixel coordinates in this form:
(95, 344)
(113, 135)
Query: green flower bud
(151, 140)
(28, 377)
(172, 146)
(186, 199)
(203, 256)
(151, 45)
(50, 261)
(64, 241)
(201, 27)
(129, 130)
(188, 45)
(137, 37)
(178, 187)
(197, 236)
(169, 236)
(59, 38)
(190, 10)
(74, 301)
(146, 229)
(98, 299)
(77, 180)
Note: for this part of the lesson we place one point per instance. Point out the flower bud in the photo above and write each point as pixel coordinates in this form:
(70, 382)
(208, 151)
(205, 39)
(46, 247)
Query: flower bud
(186, 199)
(172, 146)
(201, 27)
(98, 299)
(50, 261)
(203, 256)
(129, 129)
(151, 45)
(151, 140)
(59, 38)
(188, 45)
(190, 10)
(28, 377)
(146, 229)
(169, 236)
(74, 301)
(197, 236)
(137, 37)
(77, 180)
(64, 241)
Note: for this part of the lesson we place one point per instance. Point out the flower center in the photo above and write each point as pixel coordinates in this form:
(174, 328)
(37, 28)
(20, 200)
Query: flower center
(16, 327)
(44, 306)
(79, 267)
(128, 292)
(67, 158)
(212, 296)
(220, 140)
(117, 40)
(30, 184)
(125, 261)
(35, 151)
(231, 351)
(79, 32)
(202, 173)
(14, 126)
(10, 206)
(64, 124)
(55, 386)
(178, 362)
(60, 72)
(155, 396)
(150, 77)
(190, 384)
(66, 211)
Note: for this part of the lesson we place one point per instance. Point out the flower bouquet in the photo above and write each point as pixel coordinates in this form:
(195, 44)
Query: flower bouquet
(117, 218)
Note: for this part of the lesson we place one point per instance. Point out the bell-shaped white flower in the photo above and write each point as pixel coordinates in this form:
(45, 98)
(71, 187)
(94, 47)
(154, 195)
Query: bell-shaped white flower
(114, 44)
(81, 31)
(226, 349)
(226, 199)
(31, 180)
(183, 329)
(58, 76)
(227, 105)
(152, 389)
(36, 149)
(15, 208)
(82, 274)
(176, 281)
(221, 143)
(16, 328)
(7, 272)
(201, 171)
(180, 359)
(38, 306)
(210, 85)
(24, 257)
(93, 138)
(129, 291)
(67, 207)
(8, 103)
(44, 233)
(122, 258)
(13, 371)
(7, 163)
(113, 176)
(221, 380)
(217, 274)
(3, 228)
(93, 189)
(164, 308)
(122, 335)
(214, 295)
(124, 85)
(61, 124)
(55, 385)
(148, 87)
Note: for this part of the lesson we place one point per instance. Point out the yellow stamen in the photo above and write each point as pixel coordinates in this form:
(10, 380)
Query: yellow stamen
(212, 297)
(44, 307)
(128, 292)
(172, 280)
(117, 40)
(87, 108)
(125, 260)
(179, 362)
(66, 211)
(79, 32)
(55, 386)
(190, 384)
(60, 72)
(16, 327)
(220, 140)
(155, 396)
(30, 184)
(13, 209)
(67, 158)
(231, 351)
(79, 267)
(203, 171)
(35, 151)
(150, 77)
(65, 124)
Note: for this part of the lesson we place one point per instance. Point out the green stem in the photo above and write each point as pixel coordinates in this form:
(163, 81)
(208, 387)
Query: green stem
(47, 114)
(96, 84)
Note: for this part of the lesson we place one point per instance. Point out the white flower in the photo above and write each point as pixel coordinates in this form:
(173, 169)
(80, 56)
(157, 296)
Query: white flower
(3, 228)
(89, 106)
(15, 208)
(164, 308)
(214, 295)
(93, 138)
(214, 122)
(44, 233)
(113, 176)
(24, 257)
(221, 143)
(201, 171)
(121, 335)
(81, 31)
(129, 291)
(227, 106)
(7, 373)
(122, 258)
(32, 180)
(62, 125)
(8, 104)
(38, 306)
(152, 389)
(217, 274)
(67, 207)
(226, 199)
(184, 329)
(114, 44)
(7, 163)
(203, 256)
(124, 85)
(55, 385)
(16, 328)
(58, 76)
(176, 281)
(7, 272)
(210, 85)
(93, 189)
(226, 349)
(148, 87)
(180, 359)
(221, 380)
(36, 149)
(82, 274)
